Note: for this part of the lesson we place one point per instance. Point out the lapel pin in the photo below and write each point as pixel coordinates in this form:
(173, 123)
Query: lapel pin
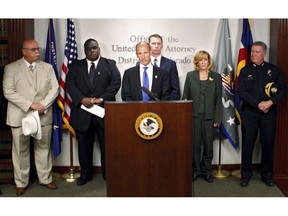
(269, 73)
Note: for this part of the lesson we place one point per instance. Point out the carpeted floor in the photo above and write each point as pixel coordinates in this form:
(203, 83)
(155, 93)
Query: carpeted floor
(227, 187)
(230, 187)
(92, 197)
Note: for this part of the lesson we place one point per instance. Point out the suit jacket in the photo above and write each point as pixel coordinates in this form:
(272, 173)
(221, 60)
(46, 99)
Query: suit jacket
(170, 66)
(107, 82)
(20, 91)
(213, 95)
(131, 84)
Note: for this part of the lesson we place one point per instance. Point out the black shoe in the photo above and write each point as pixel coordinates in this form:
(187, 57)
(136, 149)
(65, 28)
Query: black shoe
(208, 178)
(195, 176)
(104, 176)
(268, 181)
(244, 182)
(82, 181)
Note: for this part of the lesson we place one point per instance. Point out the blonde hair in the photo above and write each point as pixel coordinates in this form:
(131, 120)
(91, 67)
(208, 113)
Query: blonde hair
(199, 56)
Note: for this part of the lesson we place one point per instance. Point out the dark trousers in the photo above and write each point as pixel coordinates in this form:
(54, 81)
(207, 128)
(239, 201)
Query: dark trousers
(203, 133)
(254, 121)
(86, 144)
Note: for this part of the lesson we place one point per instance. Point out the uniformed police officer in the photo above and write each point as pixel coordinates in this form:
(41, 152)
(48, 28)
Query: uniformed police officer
(261, 87)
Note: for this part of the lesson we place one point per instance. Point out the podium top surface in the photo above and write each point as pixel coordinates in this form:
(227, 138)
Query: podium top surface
(147, 102)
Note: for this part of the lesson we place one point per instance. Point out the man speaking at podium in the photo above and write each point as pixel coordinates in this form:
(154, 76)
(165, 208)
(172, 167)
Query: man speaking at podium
(144, 76)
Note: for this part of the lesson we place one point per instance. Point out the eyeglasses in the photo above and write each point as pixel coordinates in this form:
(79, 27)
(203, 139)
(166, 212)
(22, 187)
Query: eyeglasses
(33, 49)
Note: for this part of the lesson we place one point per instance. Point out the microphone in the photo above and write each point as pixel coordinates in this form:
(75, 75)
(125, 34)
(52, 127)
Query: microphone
(150, 94)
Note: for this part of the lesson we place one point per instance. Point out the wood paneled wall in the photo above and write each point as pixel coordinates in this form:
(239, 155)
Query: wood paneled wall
(279, 57)
(19, 29)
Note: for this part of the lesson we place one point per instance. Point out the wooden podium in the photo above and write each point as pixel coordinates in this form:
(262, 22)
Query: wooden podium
(154, 163)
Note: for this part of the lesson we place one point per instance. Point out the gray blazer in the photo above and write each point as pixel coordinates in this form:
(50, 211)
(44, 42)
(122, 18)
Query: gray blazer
(213, 95)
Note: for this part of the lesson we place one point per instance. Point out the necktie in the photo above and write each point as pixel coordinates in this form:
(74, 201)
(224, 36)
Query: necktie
(32, 74)
(31, 70)
(155, 62)
(92, 73)
(145, 97)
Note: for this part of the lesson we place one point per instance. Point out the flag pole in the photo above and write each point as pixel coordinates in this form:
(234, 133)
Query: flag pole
(237, 173)
(243, 59)
(70, 54)
(71, 176)
(220, 173)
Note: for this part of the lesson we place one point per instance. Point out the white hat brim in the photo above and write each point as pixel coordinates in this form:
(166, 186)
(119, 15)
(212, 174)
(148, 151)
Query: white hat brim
(35, 114)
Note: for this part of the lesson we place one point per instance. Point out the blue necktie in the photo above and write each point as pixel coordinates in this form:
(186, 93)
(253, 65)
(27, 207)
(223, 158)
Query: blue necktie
(92, 73)
(145, 97)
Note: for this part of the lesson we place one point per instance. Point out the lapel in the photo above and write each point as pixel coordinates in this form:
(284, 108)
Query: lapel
(155, 79)
(195, 76)
(137, 80)
(211, 78)
(24, 69)
(38, 73)
(163, 64)
(84, 71)
(99, 69)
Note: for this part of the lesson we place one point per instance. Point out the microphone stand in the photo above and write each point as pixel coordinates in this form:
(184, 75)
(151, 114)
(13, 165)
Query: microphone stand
(150, 94)
(219, 173)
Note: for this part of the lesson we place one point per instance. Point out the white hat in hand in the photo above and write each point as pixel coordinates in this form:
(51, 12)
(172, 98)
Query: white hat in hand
(31, 125)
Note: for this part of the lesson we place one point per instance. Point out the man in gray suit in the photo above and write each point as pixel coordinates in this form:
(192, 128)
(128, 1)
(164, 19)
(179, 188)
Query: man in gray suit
(159, 83)
(30, 85)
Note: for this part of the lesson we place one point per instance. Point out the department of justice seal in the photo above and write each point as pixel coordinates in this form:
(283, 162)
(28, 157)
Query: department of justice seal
(149, 125)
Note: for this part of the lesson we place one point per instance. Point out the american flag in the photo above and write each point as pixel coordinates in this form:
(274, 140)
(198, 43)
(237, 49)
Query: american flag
(70, 54)
(243, 59)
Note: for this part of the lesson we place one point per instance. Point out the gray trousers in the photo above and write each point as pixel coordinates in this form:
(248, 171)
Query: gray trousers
(203, 136)
(21, 156)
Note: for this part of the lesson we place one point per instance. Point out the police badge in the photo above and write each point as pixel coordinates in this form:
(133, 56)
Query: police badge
(271, 89)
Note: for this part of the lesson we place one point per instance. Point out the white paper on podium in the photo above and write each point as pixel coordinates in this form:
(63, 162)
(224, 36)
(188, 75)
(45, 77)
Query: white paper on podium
(95, 110)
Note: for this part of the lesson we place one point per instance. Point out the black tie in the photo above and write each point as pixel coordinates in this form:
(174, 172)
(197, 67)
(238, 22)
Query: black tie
(155, 62)
(92, 73)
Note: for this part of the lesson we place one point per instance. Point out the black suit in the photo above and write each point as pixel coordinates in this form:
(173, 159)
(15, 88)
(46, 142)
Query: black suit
(170, 66)
(131, 84)
(107, 82)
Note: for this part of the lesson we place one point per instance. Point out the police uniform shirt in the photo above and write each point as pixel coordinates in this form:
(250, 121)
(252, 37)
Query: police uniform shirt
(253, 79)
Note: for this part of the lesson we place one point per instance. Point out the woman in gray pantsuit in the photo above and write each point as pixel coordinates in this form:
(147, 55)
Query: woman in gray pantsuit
(204, 87)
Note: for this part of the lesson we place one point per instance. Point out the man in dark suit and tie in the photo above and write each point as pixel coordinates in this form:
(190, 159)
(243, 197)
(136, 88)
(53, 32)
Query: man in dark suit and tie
(134, 78)
(156, 45)
(92, 80)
